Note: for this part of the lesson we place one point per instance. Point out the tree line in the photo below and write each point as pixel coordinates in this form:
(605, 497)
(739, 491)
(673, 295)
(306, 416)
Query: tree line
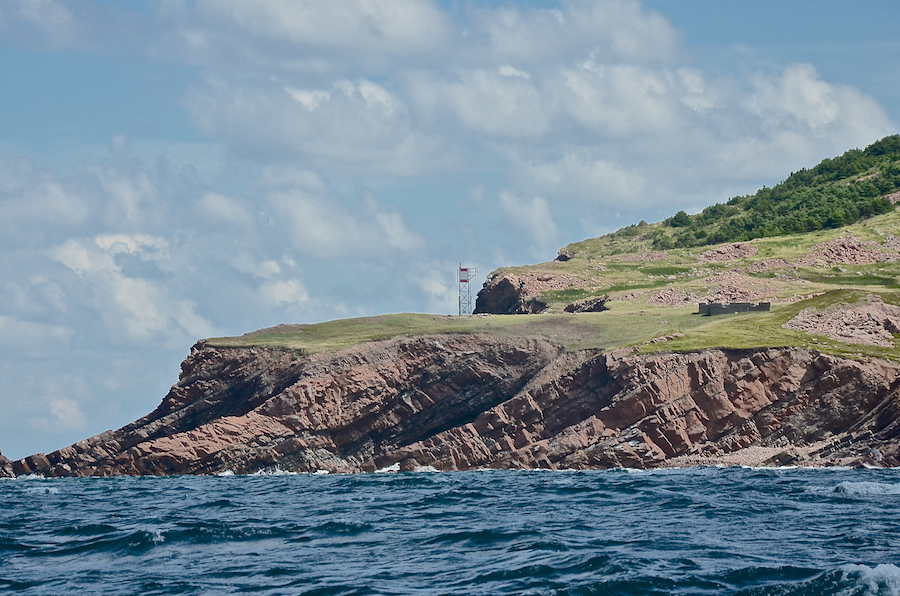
(834, 193)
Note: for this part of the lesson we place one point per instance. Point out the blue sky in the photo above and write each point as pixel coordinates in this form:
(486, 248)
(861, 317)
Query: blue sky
(176, 170)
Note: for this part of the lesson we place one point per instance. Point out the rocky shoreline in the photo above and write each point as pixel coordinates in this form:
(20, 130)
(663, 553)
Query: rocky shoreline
(462, 402)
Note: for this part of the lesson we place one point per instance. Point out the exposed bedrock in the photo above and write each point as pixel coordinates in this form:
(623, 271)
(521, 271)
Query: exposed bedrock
(459, 402)
(509, 295)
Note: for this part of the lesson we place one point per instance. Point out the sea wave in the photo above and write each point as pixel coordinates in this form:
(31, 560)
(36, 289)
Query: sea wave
(867, 488)
(688, 531)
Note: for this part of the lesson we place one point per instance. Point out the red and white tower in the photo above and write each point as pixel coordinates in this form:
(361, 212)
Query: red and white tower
(466, 274)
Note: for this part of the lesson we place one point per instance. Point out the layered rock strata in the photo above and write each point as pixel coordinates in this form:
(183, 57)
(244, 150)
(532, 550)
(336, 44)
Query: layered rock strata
(459, 402)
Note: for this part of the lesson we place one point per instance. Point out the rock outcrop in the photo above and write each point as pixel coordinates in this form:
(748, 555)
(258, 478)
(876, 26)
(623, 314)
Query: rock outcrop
(458, 402)
(508, 295)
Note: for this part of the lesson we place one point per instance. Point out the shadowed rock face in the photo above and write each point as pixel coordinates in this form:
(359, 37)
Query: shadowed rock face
(459, 402)
(509, 295)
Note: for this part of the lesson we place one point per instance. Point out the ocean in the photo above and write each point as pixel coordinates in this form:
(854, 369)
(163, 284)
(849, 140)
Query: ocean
(686, 531)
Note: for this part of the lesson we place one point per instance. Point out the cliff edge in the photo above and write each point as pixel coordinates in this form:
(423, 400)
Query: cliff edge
(461, 402)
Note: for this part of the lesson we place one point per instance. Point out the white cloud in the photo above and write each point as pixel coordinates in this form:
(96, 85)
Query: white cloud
(220, 208)
(133, 309)
(309, 98)
(131, 243)
(284, 292)
(581, 175)
(510, 71)
(360, 126)
(132, 197)
(616, 30)
(36, 203)
(532, 216)
(487, 102)
(396, 233)
(246, 264)
(321, 226)
(621, 100)
(383, 26)
(60, 414)
(801, 102)
(436, 281)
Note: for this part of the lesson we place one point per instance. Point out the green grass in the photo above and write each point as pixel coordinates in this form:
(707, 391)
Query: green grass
(622, 325)
(761, 330)
(605, 330)
(633, 322)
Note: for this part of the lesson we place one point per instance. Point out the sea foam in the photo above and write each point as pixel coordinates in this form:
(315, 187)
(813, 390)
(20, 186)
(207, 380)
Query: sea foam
(867, 488)
(881, 579)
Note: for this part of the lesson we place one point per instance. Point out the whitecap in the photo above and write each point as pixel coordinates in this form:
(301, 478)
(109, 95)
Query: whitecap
(274, 472)
(320, 473)
(42, 490)
(226, 473)
(393, 468)
(867, 488)
(426, 469)
(881, 579)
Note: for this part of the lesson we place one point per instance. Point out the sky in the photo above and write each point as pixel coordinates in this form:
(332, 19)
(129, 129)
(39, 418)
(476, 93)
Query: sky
(176, 170)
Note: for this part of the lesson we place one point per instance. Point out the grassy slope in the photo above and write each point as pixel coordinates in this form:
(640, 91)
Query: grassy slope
(633, 322)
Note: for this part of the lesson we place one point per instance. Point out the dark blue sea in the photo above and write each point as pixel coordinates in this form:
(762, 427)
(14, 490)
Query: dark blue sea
(693, 531)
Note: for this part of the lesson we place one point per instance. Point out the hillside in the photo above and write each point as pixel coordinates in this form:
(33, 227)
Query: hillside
(833, 274)
(649, 293)
(599, 358)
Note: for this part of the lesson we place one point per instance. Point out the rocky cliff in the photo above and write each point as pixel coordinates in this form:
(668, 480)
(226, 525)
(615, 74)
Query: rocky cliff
(457, 402)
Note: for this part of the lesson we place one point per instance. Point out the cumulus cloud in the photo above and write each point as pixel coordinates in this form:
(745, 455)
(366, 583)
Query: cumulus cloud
(320, 226)
(617, 30)
(132, 197)
(134, 309)
(348, 125)
(492, 103)
(437, 281)
(799, 101)
(622, 100)
(35, 203)
(383, 26)
(219, 208)
(532, 216)
(59, 414)
(582, 175)
(286, 292)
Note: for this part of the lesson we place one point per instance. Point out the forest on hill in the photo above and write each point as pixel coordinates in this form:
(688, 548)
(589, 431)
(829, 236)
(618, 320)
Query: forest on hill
(834, 193)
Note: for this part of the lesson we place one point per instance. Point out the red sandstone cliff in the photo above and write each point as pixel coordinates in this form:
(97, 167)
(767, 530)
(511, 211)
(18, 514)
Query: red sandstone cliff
(459, 402)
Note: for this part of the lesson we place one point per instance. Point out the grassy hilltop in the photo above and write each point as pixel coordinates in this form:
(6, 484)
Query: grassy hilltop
(824, 240)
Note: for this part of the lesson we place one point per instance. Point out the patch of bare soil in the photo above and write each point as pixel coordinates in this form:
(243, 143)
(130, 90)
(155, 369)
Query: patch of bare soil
(894, 197)
(848, 250)
(729, 252)
(633, 295)
(727, 287)
(657, 255)
(598, 266)
(800, 297)
(732, 286)
(892, 242)
(872, 324)
(673, 297)
(767, 265)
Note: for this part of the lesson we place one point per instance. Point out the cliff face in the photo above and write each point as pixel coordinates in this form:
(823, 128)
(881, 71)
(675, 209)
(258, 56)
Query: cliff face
(457, 402)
